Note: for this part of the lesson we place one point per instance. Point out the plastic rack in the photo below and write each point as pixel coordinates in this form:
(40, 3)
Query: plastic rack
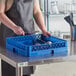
(25, 45)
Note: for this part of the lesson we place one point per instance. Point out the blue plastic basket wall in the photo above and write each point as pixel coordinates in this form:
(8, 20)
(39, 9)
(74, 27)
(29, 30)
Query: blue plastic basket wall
(24, 45)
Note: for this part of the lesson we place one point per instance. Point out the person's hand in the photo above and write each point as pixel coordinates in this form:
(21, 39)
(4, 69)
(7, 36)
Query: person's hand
(18, 30)
(46, 33)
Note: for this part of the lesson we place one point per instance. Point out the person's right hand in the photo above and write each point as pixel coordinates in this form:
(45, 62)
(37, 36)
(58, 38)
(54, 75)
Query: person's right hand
(18, 30)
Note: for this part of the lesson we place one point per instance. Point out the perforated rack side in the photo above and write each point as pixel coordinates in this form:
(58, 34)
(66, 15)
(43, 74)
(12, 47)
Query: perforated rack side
(24, 45)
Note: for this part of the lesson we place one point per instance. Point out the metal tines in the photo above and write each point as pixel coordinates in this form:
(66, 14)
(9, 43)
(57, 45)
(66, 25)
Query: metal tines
(48, 42)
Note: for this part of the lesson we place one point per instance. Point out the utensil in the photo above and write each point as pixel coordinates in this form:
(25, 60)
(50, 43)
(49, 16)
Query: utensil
(69, 19)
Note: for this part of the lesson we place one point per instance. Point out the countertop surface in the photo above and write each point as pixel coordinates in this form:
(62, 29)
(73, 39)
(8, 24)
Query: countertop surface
(19, 60)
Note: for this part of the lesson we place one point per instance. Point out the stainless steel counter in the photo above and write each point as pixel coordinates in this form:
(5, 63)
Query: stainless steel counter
(19, 61)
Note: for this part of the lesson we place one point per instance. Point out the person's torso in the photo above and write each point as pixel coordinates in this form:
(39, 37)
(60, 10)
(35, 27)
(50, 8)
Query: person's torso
(21, 13)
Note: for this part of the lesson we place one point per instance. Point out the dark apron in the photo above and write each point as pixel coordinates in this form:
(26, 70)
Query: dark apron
(21, 13)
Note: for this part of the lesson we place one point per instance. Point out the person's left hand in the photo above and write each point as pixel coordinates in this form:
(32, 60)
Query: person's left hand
(46, 33)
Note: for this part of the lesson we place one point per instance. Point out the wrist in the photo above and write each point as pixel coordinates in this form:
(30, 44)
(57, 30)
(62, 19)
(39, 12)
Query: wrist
(43, 30)
(14, 27)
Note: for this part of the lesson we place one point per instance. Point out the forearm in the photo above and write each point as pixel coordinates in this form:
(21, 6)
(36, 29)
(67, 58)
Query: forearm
(6, 21)
(40, 20)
